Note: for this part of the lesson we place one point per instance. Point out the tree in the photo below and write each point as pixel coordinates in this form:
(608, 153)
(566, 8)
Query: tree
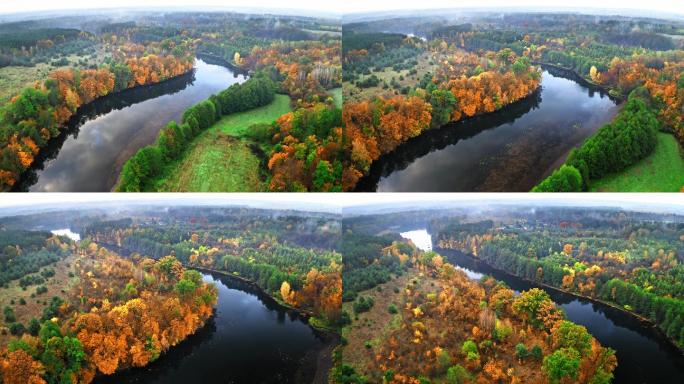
(567, 334)
(456, 375)
(529, 303)
(469, 348)
(565, 179)
(442, 102)
(561, 364)
(521, 351)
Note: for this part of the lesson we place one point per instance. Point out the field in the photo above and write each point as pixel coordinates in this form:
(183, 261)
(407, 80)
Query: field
(369, 330)
(662, 171)
(57, 285)
(14, 78)
(219, 159)
(403, 78)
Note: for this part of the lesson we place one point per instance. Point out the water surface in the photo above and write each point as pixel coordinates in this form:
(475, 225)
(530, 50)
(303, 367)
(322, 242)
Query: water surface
(509, 150)
(88, 156)
(643, 355)
(250, 339)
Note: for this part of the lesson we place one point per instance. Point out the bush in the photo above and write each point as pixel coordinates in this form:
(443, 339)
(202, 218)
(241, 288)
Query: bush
(565, 179)
(392, 309)
(363, 304)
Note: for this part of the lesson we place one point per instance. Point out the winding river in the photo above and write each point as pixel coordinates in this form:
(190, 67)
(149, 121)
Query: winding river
(89, 154)
(250, 339)
(509, 150)
(643, 355)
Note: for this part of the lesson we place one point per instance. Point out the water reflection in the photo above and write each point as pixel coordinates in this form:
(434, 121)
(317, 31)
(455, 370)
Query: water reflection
(88, 156)
(509, 150)
(250, 339)
(643, 355)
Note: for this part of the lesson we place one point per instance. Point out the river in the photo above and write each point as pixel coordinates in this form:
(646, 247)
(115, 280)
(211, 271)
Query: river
(643, 355)
(509, 150)
(90, 152)
(250, 339)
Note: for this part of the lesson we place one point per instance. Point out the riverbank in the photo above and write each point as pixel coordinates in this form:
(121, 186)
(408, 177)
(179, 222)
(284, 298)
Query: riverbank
(222, 158)
(430, 139)
(636, 316)
(96, 108)
(331, 338)
(575, 76)
(210, 58)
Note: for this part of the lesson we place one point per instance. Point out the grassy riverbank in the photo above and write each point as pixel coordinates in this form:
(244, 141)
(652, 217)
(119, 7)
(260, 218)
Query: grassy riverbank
(662, 171)
(220, 159)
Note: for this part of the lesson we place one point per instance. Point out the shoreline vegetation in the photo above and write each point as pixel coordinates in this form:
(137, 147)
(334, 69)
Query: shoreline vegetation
(426, 320)
(454, 92)
(85, 335)
(142, 169)
(38, 114)
(634, 315)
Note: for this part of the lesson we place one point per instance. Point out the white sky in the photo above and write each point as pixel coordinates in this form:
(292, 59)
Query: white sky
(337, 200)
(340, 6)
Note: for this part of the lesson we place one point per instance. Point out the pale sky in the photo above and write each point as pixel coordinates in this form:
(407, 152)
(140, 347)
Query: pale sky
(341, 6)
(335, 201)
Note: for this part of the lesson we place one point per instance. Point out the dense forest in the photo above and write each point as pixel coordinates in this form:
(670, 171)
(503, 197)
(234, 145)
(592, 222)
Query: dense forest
(294, 258)
(101, 321)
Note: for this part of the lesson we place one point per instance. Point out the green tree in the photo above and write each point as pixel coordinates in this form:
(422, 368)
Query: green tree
(561, 364)
(469, 348)
(570, 335)
(443, 102)
(456, 375)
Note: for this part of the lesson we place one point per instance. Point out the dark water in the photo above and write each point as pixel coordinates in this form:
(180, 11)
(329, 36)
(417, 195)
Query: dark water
(250, 339)
(509, 150)
(88, 156)
(643, 355)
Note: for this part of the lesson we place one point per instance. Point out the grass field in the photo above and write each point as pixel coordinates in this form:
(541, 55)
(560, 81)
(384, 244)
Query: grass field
(662, 171)
(354, 94)
(219, 159)
(14, 78)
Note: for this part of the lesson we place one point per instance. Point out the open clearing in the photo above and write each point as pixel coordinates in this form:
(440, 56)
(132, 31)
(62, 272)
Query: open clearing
(56, 285)
(219, 159)
(662, 171)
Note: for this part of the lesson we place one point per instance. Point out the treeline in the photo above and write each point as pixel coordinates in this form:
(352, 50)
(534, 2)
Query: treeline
(630, 137)
(365, 264)
(141, 170)
(19, 39)
(641, 39)
(36, 115)
(666, 312)
(29, 263)
(355, 41)
(266, 276)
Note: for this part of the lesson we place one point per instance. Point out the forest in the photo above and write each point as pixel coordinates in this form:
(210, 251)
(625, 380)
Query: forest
(433, 69)
(101, 319)
(136, 286)
(418, 319)
(51, 72)
(631, 262)
(293, 258)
